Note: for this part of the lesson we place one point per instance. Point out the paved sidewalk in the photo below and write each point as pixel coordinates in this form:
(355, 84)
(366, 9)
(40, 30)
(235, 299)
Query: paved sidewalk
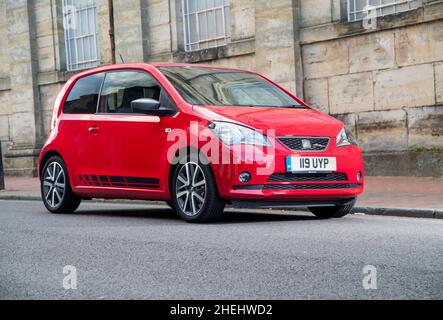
(399, 196)
(21, 188)
(402, 196)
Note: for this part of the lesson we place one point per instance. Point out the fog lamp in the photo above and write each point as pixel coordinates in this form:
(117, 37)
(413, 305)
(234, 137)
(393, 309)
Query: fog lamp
(359, 176)
(244, 177)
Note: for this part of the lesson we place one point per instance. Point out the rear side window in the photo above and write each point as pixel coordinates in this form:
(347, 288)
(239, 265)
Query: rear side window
(120, 88)
(84, 94)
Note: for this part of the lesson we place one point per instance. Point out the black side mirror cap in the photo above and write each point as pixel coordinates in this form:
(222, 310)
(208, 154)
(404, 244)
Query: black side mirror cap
(149, 107)
(144, 105)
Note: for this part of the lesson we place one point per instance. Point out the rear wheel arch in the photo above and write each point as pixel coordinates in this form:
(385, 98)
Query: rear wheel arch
(48, 155)
(57, 185)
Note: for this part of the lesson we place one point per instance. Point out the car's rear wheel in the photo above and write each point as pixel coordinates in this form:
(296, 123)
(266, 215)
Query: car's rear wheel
(333, 212)
(56, 190)
(195, 194)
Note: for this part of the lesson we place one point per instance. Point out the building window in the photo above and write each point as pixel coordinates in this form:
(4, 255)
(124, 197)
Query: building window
(358, 9)
(81, 34)
(206, 23)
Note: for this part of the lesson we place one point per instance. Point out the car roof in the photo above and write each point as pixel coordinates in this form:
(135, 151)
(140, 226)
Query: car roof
(192, 65)
(111, 67)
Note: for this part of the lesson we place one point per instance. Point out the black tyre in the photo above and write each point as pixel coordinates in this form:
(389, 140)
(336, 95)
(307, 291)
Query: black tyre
(194, 192)
(333, 212)
(171, 204)
(55, 188)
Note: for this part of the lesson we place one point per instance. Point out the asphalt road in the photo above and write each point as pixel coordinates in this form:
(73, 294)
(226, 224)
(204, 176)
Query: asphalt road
(141, 251)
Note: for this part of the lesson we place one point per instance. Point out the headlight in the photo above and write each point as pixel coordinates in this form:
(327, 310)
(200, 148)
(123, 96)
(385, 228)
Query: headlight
(344, 139)
(232, 134)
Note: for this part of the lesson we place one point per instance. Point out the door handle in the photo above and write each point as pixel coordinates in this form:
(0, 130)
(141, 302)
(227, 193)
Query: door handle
(94, 129)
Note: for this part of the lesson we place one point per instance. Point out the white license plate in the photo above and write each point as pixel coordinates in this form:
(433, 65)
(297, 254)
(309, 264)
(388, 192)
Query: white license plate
(311, 164)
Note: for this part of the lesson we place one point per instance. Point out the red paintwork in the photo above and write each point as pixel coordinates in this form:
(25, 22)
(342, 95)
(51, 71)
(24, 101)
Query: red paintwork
(136, 145)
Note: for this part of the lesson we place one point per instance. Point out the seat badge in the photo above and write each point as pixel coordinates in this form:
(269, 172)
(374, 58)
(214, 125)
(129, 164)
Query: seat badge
(306, 144)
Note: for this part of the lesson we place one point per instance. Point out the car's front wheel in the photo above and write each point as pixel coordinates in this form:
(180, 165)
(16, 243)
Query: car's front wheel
(333, 212)
(171, 204)
(195, 194)
(56, 190)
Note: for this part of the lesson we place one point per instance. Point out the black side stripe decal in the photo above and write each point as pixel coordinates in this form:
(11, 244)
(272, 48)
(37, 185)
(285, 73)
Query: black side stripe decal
(142, 180)
(120, 182)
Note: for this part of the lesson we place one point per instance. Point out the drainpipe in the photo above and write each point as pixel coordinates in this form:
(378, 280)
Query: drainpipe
(2, 176)
(299, 76)
(111, 29)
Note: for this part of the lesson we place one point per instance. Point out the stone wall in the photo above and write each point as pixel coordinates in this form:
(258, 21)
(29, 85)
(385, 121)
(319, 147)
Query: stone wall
(262, 36)
(5, 108)
(386, 83)
(33, 57)
(262, 39)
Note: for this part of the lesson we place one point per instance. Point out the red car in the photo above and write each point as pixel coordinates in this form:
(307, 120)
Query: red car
(197, 137)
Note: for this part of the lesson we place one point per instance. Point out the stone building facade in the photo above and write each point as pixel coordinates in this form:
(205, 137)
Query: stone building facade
(385, 81)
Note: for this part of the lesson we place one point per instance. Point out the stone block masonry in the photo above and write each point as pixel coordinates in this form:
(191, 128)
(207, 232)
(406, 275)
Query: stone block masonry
(385, 84)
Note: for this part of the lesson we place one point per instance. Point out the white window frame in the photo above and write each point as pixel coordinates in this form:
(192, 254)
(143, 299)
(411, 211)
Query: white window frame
(208, 42)
(81, 34)
(380, 8)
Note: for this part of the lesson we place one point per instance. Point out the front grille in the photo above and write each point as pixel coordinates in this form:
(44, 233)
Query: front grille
(299, 186)
(305, 143)
(303, 177)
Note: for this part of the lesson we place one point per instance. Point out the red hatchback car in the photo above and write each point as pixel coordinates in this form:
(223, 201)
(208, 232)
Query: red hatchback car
(197, 137)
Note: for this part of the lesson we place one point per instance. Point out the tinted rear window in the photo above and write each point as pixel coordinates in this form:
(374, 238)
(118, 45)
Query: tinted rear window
(83, 97)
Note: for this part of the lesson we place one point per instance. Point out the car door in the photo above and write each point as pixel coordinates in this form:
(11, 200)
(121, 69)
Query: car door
(128, 145)
(76, 142)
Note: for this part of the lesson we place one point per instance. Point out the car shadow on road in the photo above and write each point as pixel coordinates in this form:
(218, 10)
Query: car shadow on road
(248, 217)
(230, 216)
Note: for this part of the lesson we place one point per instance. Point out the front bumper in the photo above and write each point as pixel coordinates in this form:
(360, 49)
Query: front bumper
(289, 205)
(271, 183)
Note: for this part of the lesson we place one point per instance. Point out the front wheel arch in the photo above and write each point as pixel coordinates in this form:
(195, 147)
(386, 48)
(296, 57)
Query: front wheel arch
(180, 154)
(212, 205)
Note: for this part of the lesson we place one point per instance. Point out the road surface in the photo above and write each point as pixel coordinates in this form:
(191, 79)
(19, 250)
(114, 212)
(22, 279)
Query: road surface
(134, 251)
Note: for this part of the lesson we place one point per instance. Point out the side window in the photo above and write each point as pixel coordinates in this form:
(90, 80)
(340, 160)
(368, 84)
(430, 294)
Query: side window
(120, 88)
(83, 97)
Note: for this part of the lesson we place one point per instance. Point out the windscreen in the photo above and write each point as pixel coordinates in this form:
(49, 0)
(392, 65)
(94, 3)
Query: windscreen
(220, 87)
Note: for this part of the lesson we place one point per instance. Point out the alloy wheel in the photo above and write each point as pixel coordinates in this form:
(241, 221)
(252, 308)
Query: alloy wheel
(54, 184)
(191, 189)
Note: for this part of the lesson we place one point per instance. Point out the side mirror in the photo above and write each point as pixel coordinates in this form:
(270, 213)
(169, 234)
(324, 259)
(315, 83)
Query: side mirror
(147, 106)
